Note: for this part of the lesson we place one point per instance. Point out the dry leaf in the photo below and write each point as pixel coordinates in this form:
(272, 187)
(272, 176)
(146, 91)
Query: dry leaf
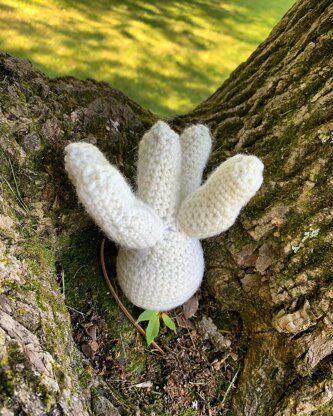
(190, 307)
(144, 385)
(90, 349)
(216, 365)
(91, 330)
(182, 322)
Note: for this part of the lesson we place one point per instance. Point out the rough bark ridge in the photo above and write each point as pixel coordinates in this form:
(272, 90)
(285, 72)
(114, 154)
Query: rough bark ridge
(273, 268)
(41, 370)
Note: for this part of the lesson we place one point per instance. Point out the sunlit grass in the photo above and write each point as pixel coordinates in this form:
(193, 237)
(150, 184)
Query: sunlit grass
(168, 56)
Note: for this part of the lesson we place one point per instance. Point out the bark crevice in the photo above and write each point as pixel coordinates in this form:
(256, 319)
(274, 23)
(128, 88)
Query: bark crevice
(273, 267)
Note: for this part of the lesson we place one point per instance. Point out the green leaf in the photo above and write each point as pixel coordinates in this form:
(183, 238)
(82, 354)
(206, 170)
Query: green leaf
(169, 322)
(152, 329)
(147, 315)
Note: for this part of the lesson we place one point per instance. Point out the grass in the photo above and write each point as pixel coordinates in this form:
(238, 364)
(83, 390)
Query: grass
(168, 56)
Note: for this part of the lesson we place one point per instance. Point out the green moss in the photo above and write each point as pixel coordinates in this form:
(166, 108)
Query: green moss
(190, 412)
(14, 371)
(7, 283)
(39, 257)
(321, 410)
(20, 312)
(44, 393)
(58, 370)
(7, 381)
(158, 408)
(39, 252)
(79, 257)
(136, 361)
(237, 237)
(85, 375)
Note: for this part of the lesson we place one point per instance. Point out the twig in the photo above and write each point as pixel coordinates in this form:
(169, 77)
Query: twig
(62, 273)
(189, 332)
(77, 271)
(119, 302)
(17, 188)
(229, 387)
(122, 346)
(75, 310)
(15, 195)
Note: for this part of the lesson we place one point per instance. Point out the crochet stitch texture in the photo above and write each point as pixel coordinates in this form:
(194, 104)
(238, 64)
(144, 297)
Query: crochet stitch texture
(160, 263)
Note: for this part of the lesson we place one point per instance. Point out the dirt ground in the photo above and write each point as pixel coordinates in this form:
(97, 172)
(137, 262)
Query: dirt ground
(194, 376)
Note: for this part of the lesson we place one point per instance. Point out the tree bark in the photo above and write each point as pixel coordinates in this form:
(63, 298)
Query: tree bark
(273, 268)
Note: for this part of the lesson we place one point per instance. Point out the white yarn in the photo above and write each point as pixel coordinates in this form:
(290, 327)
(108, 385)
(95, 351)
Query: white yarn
(196, 146)
(159, 170)
(109, 200)
(214, 207)
(160, 262)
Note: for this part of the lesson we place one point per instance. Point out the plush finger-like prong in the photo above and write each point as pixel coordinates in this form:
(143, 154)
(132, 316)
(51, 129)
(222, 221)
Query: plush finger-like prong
(214, 207)
(109, 200)
(159, 170)
(196, 145)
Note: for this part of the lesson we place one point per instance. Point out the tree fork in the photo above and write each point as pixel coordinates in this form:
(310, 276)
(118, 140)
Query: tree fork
(273, 268)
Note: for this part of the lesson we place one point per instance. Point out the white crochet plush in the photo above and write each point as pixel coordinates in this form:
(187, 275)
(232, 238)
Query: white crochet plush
(160, 263)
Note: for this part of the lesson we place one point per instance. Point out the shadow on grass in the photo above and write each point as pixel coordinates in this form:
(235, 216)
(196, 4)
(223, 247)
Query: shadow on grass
(226, 14)
(140, 70)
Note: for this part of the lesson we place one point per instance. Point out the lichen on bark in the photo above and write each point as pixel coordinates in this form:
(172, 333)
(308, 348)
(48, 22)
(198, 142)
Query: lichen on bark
(273, 268)
(41, 368)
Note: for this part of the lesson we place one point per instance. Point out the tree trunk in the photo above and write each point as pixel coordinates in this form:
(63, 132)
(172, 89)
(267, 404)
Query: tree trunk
(273, 268)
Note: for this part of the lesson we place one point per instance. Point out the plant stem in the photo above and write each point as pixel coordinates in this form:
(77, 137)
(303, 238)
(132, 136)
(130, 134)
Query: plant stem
(119, 302)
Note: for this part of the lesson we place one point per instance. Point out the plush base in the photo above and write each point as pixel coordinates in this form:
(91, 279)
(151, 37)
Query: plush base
(162, 277)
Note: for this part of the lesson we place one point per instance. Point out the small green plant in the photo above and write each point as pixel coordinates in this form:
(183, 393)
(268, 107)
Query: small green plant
(153, 327)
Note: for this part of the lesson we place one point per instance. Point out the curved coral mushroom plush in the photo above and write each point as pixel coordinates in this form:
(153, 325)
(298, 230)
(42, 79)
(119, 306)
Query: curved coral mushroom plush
(160, 263)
